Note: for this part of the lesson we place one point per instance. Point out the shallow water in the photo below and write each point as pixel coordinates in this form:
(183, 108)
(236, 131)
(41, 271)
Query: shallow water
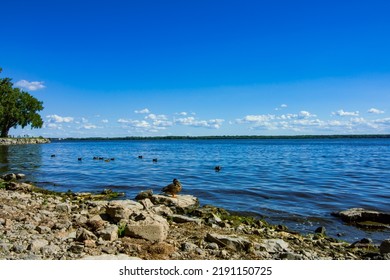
(297, 182)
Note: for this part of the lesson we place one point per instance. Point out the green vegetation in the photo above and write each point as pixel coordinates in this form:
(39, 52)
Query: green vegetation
(121, 229)
(17, 108)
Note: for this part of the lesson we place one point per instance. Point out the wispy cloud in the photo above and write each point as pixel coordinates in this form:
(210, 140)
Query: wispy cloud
(343, 113)
(375, 111)
(143, 111)
(30, 85)
(58, 119)
(192, 121)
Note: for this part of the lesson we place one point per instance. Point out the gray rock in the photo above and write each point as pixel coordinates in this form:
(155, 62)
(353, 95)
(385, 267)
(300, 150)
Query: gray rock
(109, 233)
(231, 242)
(14, 186)
(19, 248)
(122, 209)
(4, 247)
(76, 248)
(63, 208)
(84, 234)
(185, 219)
(146, 203)
(43, 229)
(320, 230)
(152, 228)
(162, 210)
(181, 201)
(50, 250)
(355, 215)
(274, 245)
(290, 256)
(188, 247)
(144, 195)
(36, 245)
(212, 246)
(385, 247)
(20, 176)
(9, 177)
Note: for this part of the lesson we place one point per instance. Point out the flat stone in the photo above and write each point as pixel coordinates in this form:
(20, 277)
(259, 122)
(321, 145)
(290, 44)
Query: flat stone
(232, 242)
(274, 245)
(355, 215)
(182, 201)
(152, 228)
(180, 219)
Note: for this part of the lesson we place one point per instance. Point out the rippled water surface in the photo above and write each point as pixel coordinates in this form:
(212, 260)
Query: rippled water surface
(295, 182)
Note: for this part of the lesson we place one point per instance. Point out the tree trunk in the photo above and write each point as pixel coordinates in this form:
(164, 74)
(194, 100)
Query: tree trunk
(4, 132)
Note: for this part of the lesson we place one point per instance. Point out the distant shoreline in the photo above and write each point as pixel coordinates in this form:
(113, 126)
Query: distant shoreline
(23, 141)
(336, 136)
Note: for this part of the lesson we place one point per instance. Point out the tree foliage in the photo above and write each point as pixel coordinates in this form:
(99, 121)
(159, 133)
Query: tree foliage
(17, 108)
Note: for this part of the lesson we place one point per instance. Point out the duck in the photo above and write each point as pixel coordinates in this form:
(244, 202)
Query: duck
(154, 160)
(217, 168)
(173, 188)
(140, 157)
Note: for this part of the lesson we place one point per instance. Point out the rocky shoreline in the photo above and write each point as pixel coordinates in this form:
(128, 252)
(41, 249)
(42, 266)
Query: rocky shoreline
(23, 141)
(41, 225)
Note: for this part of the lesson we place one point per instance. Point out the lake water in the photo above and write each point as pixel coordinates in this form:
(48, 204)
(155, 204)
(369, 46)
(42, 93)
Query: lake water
(296, 182)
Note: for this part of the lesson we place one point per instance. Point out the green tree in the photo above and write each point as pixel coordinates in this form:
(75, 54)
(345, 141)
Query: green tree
(17, 108)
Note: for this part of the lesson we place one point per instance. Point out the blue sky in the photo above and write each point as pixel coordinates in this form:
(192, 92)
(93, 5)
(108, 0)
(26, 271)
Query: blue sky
(147, 68)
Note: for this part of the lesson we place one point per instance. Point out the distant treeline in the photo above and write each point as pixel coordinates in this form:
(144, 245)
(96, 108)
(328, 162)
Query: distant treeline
(225, 137)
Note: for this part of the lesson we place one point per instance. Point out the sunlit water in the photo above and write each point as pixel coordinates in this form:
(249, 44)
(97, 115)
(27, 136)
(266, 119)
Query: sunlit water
(293, 182)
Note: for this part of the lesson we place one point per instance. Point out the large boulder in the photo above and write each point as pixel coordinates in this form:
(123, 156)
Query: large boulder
(148, 226)
(122, 209)
(365, 218)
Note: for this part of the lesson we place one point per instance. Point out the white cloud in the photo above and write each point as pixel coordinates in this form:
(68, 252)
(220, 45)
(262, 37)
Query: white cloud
(375, 111)
(89, 126)
(283, 106)
(59, 119)
(143, 111)
(343, 113)
(306, 114)
(104, 121)
(256, 118)
(191, 121)
(30, 85)
(288, 116)
(182, 114)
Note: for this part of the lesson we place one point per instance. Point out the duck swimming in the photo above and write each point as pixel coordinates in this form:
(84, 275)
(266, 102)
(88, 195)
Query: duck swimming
(173, 188)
